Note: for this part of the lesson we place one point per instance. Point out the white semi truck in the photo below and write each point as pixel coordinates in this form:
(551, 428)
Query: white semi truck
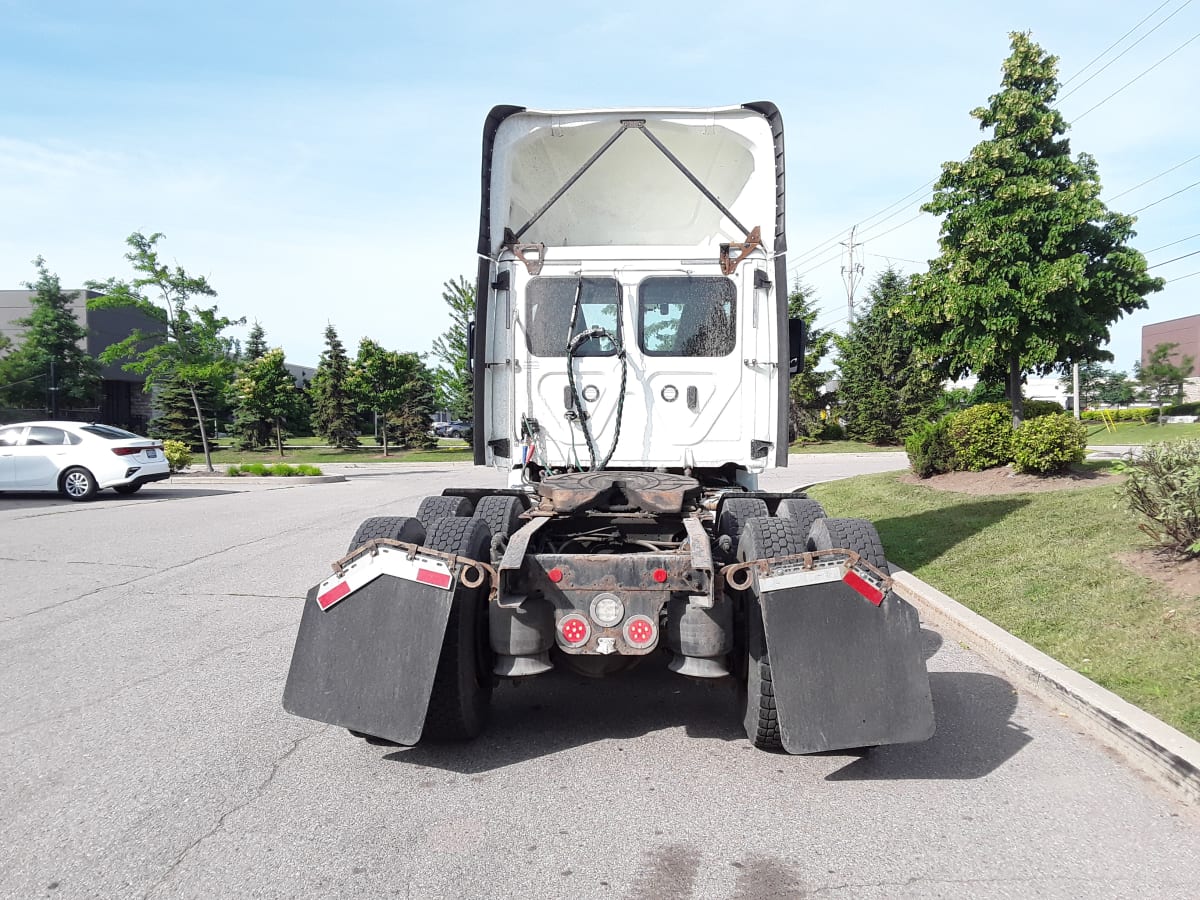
(631, 357)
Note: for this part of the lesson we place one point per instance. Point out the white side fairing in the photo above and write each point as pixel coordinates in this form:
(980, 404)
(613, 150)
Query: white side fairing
(632, 246)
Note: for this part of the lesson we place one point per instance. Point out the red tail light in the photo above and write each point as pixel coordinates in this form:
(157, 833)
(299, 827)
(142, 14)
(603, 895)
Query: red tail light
(127, 451)
(573, 630)
(640, 631)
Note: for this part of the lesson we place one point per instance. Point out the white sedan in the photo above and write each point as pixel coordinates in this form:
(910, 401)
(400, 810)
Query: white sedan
(77, 459)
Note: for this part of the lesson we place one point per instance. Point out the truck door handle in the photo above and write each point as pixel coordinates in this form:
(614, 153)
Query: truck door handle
(693, 398)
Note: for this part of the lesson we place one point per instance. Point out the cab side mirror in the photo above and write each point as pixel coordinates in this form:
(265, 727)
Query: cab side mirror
(796, 334)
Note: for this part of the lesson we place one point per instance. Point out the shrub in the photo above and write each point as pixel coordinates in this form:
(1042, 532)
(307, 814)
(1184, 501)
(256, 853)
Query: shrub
(1035, 409)
(281, 470)
(1163, 485)
(178, 454)
(1048, 443)
(928, 448)
(832, 432)
(1183, 409)
(981, 436)
(1135, 414)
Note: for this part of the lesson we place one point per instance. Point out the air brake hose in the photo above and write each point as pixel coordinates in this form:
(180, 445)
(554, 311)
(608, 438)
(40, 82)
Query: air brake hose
(573, 345)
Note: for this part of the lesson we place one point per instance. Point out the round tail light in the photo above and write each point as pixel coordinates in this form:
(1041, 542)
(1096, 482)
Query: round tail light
(640, 632)
(573, 630)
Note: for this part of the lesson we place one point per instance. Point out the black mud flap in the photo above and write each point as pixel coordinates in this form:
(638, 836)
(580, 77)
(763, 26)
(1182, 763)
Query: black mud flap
(846, 673)
(367, 661)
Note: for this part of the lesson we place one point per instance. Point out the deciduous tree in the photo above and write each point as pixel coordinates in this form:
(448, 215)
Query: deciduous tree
(1034, 268)
(190, 349)
(396, 386)
(265, 391)
(1162, 375)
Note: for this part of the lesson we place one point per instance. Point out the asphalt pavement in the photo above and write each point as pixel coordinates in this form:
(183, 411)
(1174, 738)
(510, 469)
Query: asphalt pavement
(144, 643)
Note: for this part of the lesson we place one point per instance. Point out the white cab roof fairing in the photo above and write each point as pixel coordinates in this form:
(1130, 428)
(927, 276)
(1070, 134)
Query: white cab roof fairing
(633, 194)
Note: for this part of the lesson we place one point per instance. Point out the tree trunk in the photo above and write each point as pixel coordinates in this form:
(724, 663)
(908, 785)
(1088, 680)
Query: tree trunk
(203, 433)
(1014, 390)
(385, 443)
(279, 437)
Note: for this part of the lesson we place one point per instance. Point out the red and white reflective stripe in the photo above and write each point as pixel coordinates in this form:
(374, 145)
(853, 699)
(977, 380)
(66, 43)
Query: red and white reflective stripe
(385, 561)
(864, 587)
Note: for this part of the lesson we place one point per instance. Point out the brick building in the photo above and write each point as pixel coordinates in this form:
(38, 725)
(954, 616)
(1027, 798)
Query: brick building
(1186, 333)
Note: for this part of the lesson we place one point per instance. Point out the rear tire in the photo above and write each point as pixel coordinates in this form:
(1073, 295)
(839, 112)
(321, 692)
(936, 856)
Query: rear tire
(393, 528)
(763, 538)
(858, 535)
(434, 508)
(77, 483)
(802, 512)
(462, 687)
(736, 512)
(501, 513)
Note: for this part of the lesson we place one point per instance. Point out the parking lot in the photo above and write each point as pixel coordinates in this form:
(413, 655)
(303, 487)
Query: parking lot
(144, 643)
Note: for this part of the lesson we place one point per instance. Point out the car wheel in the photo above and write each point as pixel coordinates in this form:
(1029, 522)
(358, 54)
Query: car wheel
(78, 484)
(127, 488)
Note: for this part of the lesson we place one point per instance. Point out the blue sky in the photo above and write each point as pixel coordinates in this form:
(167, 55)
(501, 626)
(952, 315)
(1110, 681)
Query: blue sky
(320, 162)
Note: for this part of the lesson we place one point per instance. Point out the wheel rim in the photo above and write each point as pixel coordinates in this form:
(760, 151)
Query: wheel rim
(76, 484)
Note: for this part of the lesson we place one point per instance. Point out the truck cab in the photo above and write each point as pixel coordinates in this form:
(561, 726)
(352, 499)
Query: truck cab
(631, 296)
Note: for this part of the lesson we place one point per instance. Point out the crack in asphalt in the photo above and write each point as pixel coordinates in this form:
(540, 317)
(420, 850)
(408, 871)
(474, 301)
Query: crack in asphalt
(150, 574)
(75, 562)
(145, 680)
(220, 823)
(931, 880)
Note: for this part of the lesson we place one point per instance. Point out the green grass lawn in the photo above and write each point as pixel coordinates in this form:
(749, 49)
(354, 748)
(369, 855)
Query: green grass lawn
(1137, 433)
(839, 447)
(1042, 566)
(446, 451)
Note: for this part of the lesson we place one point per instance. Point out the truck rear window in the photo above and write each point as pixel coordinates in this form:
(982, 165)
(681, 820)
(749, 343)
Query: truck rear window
(685, 316)
(549, 302)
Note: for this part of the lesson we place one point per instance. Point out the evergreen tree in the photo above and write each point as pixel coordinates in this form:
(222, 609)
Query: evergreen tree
(1034, 268)
(176, 418)
(333, 406)
(454, 378)
(806, 388)
(883, 391)
(256, 343)
(49, 368)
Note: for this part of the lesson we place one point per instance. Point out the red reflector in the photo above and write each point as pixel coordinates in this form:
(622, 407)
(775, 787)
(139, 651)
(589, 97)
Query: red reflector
(333, 595)
(573, 630)
(126, 451)
(555, 575)
(640, 631)
(864, 587)
(437, 579)
(660, 575)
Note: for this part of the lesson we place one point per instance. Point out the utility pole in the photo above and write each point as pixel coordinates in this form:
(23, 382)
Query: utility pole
(851, 272)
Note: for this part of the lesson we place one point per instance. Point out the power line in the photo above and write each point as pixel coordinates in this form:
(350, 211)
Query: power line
(1181, 277)
(1168, 197)
(1137, 77)
(1155, 178)
(1127, 49)
(1101, 54)
(1173, 243)
(1176, 259)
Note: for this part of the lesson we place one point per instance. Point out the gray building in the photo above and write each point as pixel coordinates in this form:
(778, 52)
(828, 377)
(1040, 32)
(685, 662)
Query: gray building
(123, 400)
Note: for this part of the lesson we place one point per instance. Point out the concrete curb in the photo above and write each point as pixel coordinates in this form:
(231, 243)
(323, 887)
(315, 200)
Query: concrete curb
(1154, 747)
(233, 480)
